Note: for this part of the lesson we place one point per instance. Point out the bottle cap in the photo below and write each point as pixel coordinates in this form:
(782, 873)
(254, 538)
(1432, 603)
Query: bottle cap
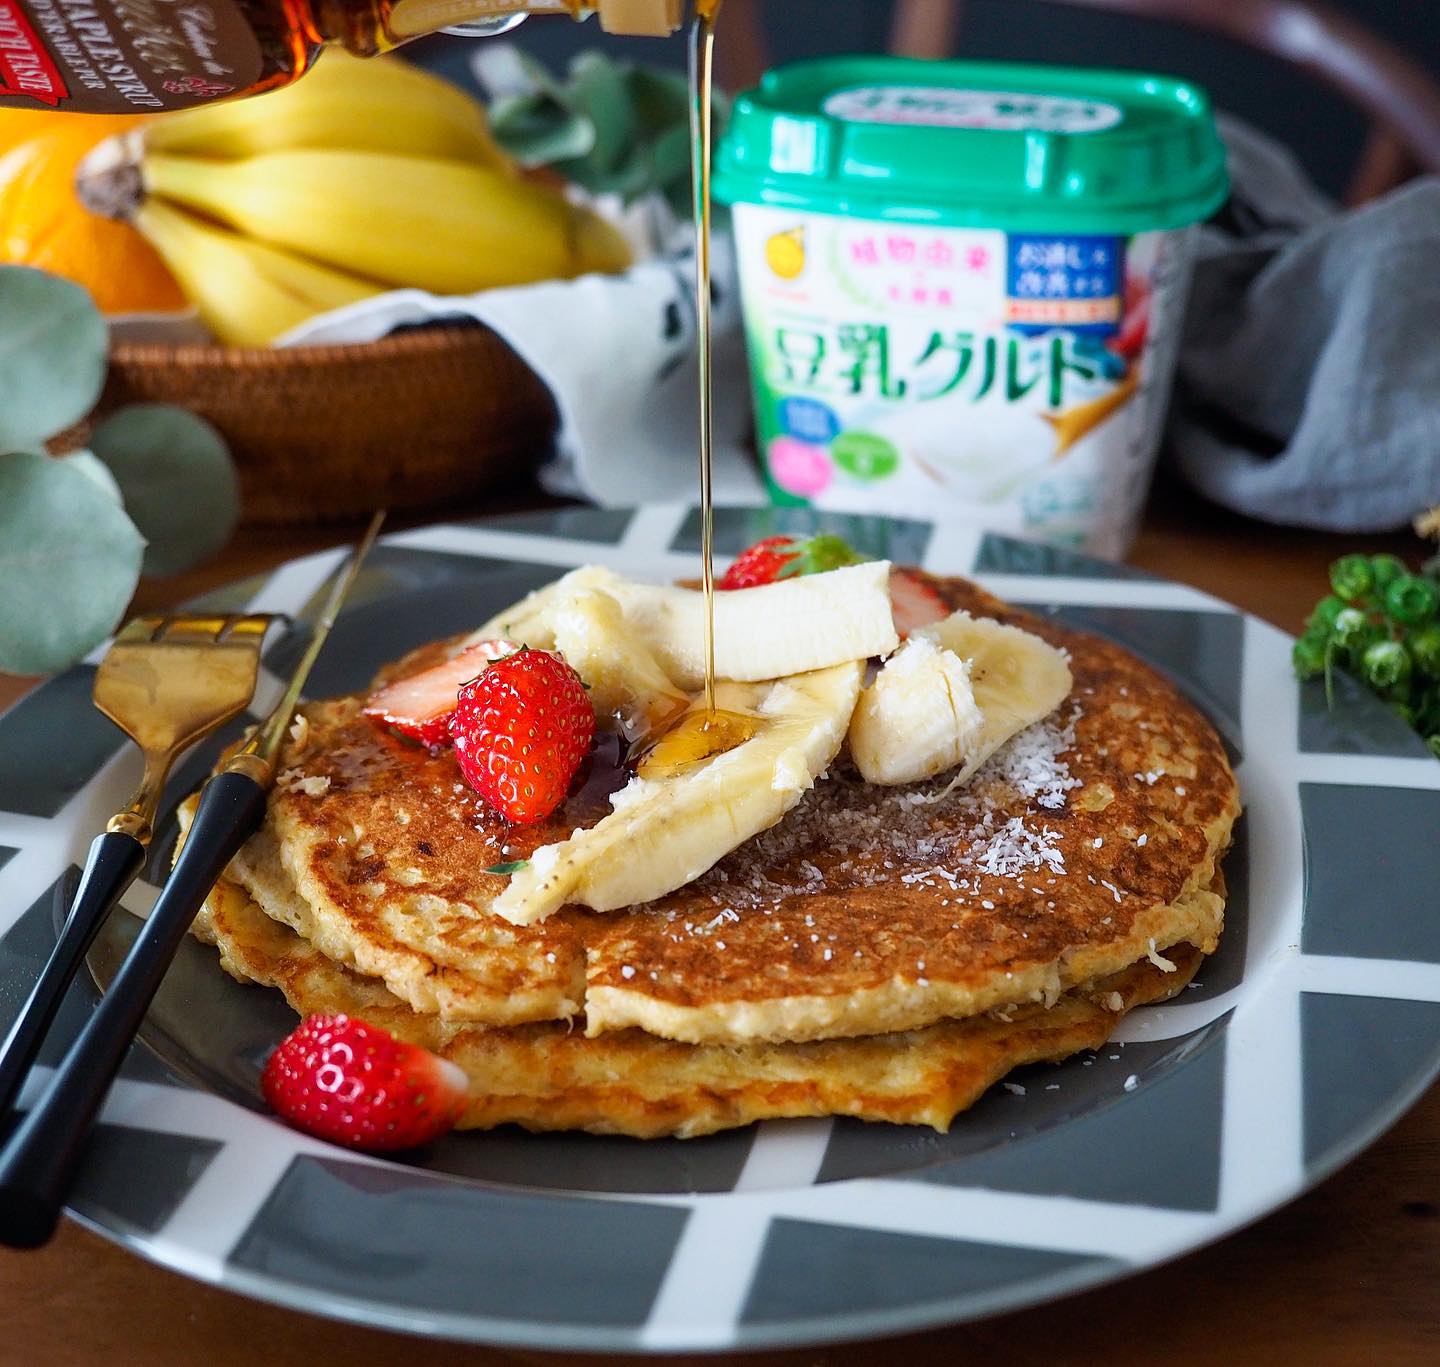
(641, 18)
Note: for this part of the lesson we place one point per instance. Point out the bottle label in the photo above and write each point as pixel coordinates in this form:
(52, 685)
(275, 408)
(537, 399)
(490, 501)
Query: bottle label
(945, 107)
(124, 56)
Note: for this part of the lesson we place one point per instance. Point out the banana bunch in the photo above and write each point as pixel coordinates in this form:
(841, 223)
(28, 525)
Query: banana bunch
(366, 175)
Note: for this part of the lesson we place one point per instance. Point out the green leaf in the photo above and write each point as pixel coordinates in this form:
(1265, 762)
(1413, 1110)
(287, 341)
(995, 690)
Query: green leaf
(610, 127)
(599, 90)
(513, 867)
(661, 98)
(671, 158)
(92, 467)
(53, 345)
(69, 561)
(538, 130)
(177, 479)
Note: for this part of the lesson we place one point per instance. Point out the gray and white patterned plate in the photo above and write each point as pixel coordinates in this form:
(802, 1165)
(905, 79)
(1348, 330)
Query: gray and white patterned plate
(1312, 1029)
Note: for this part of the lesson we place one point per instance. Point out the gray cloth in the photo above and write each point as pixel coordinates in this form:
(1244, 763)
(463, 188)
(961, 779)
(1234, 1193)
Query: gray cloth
(1309, 383)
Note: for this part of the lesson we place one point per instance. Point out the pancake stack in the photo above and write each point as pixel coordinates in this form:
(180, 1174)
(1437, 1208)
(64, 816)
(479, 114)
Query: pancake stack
(885, 953)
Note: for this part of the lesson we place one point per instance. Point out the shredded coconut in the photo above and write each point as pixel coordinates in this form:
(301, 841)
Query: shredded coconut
(876, 834)
(300, 731)
(312, 785)
(1159, 960)
(1014, 1088)
(1132, 1082)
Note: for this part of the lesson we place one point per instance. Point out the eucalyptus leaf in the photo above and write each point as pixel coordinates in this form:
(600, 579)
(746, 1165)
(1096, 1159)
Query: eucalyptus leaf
(504, 70)
(91, 466)
(177, 479)
(542, 82)
(610, 127)
(662, 99)
(670, 160)
(69, 561)
(53, 345)
(599, 89)
(539, 131)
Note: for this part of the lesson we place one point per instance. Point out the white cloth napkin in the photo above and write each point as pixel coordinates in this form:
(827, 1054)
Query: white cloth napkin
(618, 354)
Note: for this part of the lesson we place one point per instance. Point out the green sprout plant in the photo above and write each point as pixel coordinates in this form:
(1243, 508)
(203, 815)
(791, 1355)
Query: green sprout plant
(153, 493)
(1380, 623)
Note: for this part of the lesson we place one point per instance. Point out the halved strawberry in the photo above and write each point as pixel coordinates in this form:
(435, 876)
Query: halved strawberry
(352, 1083)
(784, 557)
(914, 602)
(420, 707)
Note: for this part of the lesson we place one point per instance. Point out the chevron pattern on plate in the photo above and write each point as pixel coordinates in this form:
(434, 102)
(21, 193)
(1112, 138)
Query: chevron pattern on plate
(1315, 1026)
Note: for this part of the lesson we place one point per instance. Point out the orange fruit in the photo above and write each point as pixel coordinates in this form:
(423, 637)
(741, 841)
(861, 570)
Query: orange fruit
(43, 224)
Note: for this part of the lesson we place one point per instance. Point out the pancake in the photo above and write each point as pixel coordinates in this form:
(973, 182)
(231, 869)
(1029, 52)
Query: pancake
(547, 1077)
(1088, 843)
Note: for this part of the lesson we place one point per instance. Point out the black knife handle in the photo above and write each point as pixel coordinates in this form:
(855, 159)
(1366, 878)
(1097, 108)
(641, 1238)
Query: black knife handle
(39, 1160)
(114, 861)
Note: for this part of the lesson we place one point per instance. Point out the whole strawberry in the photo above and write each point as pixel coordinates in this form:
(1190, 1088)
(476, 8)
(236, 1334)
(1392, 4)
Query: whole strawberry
(784, 557)
(521, 730)
(351, 1083)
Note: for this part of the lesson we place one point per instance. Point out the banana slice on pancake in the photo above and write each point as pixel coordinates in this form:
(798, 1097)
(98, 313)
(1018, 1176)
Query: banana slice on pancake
(624, 677)
(791, 627)
(953, 694)
(918, 719)
(663, 833)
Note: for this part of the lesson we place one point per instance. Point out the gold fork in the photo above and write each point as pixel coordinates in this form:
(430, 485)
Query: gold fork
(39, 1159)
(166, 682)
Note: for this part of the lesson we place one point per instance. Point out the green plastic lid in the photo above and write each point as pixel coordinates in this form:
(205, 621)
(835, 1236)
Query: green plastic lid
(976, 144)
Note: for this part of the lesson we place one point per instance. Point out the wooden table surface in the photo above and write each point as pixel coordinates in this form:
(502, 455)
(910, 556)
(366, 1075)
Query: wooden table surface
(1347, 1276)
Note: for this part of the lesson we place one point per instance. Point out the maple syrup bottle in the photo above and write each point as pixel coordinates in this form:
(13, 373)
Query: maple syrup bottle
(141, 56)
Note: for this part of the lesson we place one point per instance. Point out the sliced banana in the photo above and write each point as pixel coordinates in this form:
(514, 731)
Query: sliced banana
(919, 717)
(527, 622)
(663, 833)
(621, 672)
(792, 627)
(1017, 679)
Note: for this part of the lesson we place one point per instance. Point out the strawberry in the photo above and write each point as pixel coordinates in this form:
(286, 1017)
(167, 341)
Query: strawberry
(420, 706)
(520, 731)
(784, 557)
(351, 1083)
(914, 602)
(1129, 342)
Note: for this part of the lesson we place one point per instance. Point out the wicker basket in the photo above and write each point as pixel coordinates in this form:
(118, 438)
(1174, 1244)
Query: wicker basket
(419, 419)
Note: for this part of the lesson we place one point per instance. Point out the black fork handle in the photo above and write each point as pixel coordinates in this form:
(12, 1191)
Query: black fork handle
(114, 861)
(39, 1160)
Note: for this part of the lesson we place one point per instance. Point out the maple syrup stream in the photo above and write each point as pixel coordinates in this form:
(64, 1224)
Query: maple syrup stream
(697, 735)
(702, 70)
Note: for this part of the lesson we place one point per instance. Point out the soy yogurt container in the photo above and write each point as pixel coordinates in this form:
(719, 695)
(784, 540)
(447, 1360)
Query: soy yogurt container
(963, 284)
